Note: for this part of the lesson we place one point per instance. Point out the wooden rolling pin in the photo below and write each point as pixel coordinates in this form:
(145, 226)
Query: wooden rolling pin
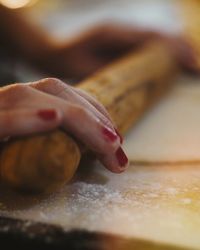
(45, 162)
(189, 12)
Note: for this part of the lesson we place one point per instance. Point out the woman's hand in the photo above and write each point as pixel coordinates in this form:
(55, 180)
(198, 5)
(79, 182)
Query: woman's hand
(101, 45)
(85, 54)
(49, 103)
(92, 50)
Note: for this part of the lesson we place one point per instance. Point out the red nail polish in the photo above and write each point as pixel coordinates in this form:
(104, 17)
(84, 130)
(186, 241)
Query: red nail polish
(109, 134)
(121, 157)
(47, 115)
(120, 137)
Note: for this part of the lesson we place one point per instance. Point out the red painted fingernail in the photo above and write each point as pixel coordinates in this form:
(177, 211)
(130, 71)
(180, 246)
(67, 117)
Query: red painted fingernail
(121, 157)
(47, 115)
(120, 137)
(109, 134)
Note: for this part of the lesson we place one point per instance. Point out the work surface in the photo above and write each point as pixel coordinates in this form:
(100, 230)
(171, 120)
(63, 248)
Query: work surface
(156, 199)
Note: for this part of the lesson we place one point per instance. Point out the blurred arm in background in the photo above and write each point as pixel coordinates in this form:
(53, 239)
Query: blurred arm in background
(82, 56)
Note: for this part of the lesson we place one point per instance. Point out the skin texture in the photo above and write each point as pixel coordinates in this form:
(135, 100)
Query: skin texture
(49, 103)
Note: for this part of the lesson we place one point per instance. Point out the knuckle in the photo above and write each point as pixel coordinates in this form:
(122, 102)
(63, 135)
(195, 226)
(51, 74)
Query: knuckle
(18, 88)
(52, 85)
(13, 94)
(51, 82)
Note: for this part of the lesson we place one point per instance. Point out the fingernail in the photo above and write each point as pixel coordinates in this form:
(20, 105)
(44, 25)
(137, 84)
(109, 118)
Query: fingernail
(121, 157)
(109, 134)
(47, 115)
(120, 137)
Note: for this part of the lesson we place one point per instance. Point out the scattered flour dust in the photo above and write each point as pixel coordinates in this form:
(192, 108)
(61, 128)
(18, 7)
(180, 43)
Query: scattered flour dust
(154, 202)
(147, 202)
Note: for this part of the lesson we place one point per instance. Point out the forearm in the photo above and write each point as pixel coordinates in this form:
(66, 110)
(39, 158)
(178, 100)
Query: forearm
(22, 37)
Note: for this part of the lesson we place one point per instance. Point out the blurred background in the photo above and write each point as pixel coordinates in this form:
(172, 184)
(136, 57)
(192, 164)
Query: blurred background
(64, 20)
(67, 17)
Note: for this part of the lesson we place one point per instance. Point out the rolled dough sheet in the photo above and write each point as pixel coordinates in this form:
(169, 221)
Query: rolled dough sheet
(170, 132)
(157, 202)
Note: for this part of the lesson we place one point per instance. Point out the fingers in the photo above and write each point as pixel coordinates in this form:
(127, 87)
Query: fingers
(118, 34)
(84, 120)
(97, 136)
(99, 107)
(116, 163)
(94, 48)
(94, 102)
(112, 40)
(92, 105)
(60, 89)
(26, 121)
(184, 53)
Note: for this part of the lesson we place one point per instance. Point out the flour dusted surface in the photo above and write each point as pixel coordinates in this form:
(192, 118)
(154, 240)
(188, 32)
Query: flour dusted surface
(156, 202)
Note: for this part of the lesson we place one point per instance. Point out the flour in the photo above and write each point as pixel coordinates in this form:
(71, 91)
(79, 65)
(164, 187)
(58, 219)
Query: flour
(152, 202)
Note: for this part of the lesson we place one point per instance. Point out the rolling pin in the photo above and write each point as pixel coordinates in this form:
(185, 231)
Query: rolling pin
(190, 19)
(44, 162)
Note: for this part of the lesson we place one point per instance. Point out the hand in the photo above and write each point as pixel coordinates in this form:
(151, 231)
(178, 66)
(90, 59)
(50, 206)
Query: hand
(101, 45)
(49, 103)
(185, 54)
(94, 49)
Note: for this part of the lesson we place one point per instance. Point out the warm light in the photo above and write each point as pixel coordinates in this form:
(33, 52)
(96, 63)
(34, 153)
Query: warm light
(15, 4)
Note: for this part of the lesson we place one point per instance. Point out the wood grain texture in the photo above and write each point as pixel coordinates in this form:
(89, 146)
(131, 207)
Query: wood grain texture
(43, 163)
